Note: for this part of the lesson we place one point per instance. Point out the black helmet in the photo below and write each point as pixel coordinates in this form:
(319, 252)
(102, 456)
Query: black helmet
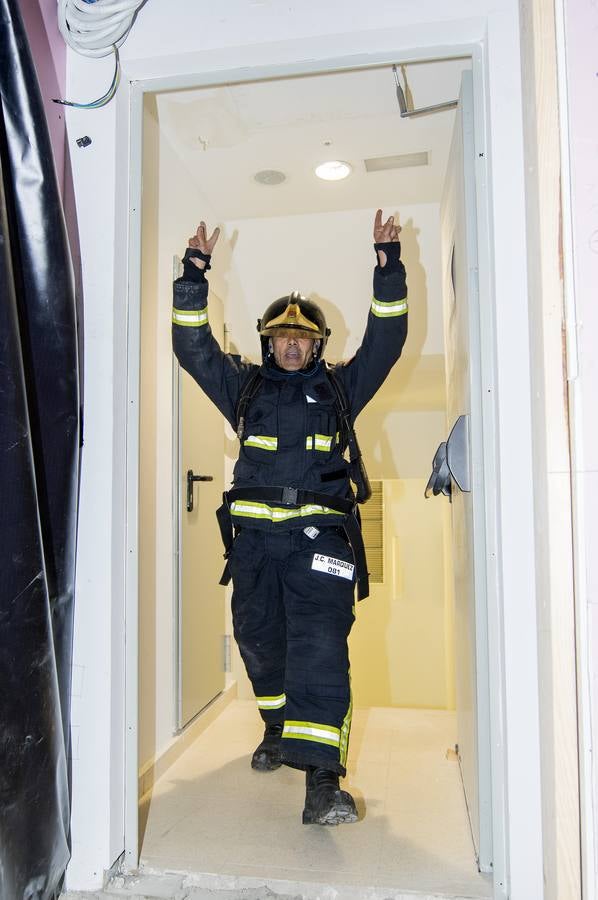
(296, 315)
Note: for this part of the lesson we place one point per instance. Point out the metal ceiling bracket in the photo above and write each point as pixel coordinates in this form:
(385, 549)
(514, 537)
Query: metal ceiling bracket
(406, 113)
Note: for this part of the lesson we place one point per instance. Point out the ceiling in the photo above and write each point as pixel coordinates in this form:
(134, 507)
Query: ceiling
(224, 135)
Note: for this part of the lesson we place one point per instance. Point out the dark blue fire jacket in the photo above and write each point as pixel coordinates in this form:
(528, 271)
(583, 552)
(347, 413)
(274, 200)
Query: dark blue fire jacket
(291, 435)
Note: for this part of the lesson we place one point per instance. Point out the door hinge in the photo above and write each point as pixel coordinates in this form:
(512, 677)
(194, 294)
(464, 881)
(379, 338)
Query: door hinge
(226, 651)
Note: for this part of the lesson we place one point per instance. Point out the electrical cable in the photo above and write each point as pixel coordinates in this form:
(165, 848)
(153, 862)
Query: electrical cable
(106, 98)
(97, 28)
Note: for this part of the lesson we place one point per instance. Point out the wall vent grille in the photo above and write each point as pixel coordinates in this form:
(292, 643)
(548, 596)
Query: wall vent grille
(403, 161)
(372, 526)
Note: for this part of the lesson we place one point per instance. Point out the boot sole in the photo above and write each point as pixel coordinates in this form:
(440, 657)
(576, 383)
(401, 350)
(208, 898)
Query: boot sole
(338, 815)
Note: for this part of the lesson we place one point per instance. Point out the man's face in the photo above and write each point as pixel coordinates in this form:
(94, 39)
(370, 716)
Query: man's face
(292, 353)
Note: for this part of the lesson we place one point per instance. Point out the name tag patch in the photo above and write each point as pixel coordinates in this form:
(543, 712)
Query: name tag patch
(332, 566)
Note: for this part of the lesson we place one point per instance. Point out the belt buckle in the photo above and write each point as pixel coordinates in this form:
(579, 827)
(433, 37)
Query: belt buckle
(289, 495)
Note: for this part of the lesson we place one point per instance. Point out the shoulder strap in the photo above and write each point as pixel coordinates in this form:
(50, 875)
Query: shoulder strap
(358, 473)
(248, 392)
(342, 407)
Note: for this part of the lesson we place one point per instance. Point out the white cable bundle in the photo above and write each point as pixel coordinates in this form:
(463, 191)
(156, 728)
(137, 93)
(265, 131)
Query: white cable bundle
(96, 27)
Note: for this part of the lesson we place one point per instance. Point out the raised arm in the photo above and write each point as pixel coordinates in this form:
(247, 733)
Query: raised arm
(386, 329)
(220, 375)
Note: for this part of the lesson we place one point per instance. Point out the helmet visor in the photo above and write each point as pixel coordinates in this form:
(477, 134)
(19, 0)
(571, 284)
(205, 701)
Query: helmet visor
(291, 323)
(292, 332)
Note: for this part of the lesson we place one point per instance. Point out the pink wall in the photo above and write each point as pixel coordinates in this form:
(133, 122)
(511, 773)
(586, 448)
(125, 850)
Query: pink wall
(49, 54)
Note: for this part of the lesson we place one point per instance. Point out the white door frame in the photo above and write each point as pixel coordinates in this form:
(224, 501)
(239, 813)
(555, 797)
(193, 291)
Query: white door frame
(128, 258)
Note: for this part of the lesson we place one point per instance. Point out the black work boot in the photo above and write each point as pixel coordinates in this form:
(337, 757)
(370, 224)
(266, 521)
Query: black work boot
(266, 756)
(325, 803)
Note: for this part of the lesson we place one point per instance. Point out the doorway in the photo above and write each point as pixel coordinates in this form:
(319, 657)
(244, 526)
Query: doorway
(417, 376)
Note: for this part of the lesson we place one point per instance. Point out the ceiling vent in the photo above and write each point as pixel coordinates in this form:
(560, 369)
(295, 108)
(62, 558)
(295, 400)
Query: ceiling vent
(403, 161)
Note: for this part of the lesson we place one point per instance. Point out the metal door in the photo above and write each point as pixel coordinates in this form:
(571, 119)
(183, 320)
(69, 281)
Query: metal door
(199, 436)
(465, 466)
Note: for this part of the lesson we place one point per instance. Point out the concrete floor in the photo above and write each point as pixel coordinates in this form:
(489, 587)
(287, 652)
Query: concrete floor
(214, 828)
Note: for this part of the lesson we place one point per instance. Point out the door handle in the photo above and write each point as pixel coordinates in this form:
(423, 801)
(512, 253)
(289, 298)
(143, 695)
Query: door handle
(191, 477)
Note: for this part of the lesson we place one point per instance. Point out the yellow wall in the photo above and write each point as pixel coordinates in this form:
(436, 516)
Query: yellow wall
(401, 645)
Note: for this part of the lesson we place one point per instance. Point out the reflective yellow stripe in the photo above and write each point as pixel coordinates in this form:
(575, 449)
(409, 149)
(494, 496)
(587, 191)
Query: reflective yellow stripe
(384, 308)
(271, 702)
(318, 442)
(190, 317)
(252, 510)
(345, 731)
(262, 441)
(312, 731)
(322, 441)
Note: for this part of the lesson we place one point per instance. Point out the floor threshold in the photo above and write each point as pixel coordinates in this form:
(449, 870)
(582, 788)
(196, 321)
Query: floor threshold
(147, 884)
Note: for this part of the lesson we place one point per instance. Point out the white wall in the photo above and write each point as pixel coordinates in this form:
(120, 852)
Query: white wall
(186, 37)
(401, 648)
(580, 147)
(329, 256)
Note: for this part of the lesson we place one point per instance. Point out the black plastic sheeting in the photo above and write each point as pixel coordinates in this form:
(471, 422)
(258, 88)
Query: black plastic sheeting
(39, 468)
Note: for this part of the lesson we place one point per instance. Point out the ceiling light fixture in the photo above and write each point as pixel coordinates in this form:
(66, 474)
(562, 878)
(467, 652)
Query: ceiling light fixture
(334, 170)
(270, 177)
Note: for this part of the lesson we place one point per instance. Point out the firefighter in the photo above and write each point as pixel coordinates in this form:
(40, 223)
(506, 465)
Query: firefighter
(293, 543)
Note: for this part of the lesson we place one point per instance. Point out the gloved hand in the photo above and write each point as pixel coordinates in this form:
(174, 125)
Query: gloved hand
(391, 252)
(192, 272)
(197, 256)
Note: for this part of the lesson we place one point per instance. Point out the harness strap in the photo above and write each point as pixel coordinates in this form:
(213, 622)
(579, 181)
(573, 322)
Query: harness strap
(298, 497)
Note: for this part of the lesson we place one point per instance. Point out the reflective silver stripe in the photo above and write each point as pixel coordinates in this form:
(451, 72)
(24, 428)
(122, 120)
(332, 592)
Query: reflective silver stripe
(190, 317)
(318, 442)
(322, 441)
(383, 309)
(312, 731)
(262, 441)
(252, 510)
(271, 702)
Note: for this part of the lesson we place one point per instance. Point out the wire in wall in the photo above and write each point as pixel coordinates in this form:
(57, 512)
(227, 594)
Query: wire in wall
(97, 28)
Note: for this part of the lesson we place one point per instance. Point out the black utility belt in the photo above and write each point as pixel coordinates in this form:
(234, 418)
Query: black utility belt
(291, 496)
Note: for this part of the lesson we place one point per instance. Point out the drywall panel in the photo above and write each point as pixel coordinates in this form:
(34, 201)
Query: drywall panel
(400, 650)
(330, 257)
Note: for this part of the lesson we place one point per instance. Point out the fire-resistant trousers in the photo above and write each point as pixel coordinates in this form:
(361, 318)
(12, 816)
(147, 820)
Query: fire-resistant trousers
(293, 608)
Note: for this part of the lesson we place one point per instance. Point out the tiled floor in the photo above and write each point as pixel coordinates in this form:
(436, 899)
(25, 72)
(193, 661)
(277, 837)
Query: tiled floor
(211, 813)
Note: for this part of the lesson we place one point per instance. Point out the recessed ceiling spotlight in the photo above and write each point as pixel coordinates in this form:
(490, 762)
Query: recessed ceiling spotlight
(334, 170)
(269, 176)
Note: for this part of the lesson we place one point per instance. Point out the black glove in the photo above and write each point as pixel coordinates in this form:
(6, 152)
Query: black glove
(393, 256)
(190, 271)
